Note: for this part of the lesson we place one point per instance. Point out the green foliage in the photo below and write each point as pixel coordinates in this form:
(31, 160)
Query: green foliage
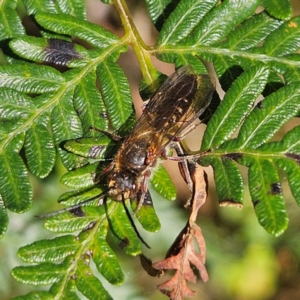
(9, 16)
(49, 110)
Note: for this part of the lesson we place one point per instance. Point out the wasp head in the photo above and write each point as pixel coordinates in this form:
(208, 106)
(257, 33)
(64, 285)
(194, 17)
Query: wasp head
(122, 184)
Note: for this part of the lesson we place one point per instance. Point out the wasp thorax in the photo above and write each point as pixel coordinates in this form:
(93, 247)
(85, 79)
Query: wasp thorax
(122, 183)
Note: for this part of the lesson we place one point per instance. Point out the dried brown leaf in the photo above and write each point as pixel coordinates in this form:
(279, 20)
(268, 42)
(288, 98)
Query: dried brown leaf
(170, 289)
(189, 247)
(182, 264)
(198, 177)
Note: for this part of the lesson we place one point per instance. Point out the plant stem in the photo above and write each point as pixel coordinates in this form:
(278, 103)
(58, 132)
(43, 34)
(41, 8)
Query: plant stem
(134, 38)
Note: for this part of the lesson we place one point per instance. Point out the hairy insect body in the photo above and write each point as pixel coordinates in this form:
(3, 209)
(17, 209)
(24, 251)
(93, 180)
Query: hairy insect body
(168, 114)
(132, 166)
(136, 153)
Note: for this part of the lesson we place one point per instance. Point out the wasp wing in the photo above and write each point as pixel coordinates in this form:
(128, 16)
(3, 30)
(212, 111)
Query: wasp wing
(175, 105)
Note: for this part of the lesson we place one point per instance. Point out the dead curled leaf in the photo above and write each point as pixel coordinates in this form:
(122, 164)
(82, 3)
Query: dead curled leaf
(148, 267)
(189, 247)
(199, 179)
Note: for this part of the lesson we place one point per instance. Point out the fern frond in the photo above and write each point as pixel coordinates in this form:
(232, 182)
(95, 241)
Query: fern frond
(252, 148)
(59, 96)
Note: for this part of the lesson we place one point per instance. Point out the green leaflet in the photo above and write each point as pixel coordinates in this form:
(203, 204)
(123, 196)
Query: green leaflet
(286, 155)
(89, 105)
(281, 9)
(65, 126)
(246, 36)
(74, 8)
(65, 122)
(125, 129)
(75, 251)
(182, 20)
(39, 147)
(9, 16)
(182, 59)
(68, 223)
(74, 197)
(266, 119)
(42, 274)
(55, 51)
(163, 184)
(226, 70)
(264, 182)
(235, 106)
(156, 10)
(122, 231)
(291, 142)
(41, 295)
(66, 24)
(36, 6)
(64, 290)
(30, 78)
(54, 250)
(3, 218)
(220, 21)
(266, 193)
(15, 188)
(147, 217)
(89, 285)
(229, 181)
(186, 59)
(116, 94)
(108, 267)
(96, 148)
(291, 168)
(291, 72)
(274, 84)
(251, 32)
(276, 46)
(15, 108)
(81, 177)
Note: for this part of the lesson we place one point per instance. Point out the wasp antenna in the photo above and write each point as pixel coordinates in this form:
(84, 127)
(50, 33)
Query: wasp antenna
(109, 134)
(132, 223)
(100, 196)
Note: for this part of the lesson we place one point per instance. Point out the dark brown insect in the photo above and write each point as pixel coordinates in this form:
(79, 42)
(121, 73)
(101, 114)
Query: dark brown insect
(167, 117)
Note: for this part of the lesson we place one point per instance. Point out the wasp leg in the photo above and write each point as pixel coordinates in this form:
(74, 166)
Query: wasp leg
(140, 203)
(192, 157)
(185, 132)
(145, 104)
(186, 166)
(183, 165)
(98, 177)
(187, 129)
(143, 191)
(184, 154)
(148, 199)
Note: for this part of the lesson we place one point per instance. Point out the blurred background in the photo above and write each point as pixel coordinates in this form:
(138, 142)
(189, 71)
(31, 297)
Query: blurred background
(243, 261)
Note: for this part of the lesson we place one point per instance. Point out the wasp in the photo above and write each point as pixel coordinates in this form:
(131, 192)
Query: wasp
(166, 118)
